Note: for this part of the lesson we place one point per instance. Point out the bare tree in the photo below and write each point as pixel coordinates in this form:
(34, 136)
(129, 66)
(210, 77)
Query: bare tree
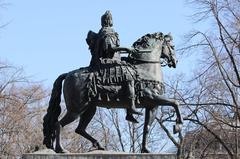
(3, 5)
(212, 95)
(21, 109)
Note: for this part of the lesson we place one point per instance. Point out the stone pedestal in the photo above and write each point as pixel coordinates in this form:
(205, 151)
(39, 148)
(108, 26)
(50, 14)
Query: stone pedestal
(98, 155)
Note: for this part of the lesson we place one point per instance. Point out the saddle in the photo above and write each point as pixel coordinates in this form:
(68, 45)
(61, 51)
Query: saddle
(109, 79)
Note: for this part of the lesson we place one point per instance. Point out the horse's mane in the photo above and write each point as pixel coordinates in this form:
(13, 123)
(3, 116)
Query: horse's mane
(144, 41)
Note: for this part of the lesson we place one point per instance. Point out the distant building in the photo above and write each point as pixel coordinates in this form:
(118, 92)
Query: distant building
(200, 143)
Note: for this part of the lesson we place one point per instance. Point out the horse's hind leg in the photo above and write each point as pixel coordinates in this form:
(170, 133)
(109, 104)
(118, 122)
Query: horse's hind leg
(67, 119)
(85, 119)
(150, 115)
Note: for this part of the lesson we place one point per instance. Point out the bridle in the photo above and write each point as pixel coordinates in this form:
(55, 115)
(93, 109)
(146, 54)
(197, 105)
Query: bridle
(169, 58)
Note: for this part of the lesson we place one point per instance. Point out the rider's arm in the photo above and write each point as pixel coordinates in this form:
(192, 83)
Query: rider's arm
(115, 49)
(124, 49)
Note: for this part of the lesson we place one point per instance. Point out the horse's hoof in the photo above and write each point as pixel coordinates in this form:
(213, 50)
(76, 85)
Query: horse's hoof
(145, 150)
(177, 128)
(98, 146)
(61, 150)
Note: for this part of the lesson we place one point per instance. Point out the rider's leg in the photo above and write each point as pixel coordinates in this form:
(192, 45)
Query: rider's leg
(131, 98)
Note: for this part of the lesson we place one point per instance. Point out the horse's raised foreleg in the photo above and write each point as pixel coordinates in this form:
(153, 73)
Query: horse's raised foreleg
(150, 115)
(67, 119)
(171, 102)
(85, 119)
(179, 121)
(161, 100)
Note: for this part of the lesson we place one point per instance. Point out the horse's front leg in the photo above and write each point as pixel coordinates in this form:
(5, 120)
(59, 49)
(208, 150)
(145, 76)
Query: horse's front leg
(161, 100)
(172, 102)
(179, 121)
(150, 114)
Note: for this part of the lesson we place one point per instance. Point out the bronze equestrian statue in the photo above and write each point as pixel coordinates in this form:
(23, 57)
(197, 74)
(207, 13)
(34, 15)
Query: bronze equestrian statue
(105, 83)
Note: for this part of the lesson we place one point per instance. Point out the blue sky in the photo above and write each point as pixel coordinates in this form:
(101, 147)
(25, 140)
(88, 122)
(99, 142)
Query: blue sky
(47, 38)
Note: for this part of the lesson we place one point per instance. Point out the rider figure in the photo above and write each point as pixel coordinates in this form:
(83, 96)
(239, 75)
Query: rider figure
(106, 45)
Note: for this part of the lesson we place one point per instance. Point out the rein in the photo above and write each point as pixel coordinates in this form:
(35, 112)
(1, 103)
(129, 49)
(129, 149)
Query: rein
(141, 60)
(137, 61)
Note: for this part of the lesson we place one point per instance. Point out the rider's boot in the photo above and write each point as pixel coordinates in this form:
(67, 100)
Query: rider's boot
(132, 110)
(129, 117)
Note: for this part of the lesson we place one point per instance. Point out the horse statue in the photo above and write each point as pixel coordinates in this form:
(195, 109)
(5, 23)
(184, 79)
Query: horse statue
(84, 90)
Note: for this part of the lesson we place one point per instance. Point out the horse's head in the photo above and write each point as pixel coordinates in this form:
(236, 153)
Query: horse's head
(168, 51)
(149, 41)
(149, 48)
(154, 46)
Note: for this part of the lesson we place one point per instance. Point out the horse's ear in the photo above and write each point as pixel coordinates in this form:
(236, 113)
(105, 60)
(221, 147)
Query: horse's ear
(170, 35)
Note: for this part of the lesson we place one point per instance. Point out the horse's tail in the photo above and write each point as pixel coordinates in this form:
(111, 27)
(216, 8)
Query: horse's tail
(53, 112)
